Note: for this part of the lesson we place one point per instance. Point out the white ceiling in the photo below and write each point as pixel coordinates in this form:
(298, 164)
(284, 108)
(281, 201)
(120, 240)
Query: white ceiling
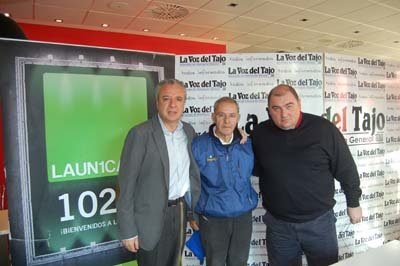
(251, 26)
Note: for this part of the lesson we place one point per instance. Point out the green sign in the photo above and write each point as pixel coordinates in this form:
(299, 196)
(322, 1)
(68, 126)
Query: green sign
(86, 120)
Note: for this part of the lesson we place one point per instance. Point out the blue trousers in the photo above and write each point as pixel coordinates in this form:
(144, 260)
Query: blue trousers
(287, 241)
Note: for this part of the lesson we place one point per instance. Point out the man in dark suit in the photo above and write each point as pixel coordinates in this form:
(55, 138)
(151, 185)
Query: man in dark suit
(157, 173)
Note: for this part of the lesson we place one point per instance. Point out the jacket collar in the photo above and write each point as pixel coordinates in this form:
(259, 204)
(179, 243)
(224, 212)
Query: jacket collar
(236, 135)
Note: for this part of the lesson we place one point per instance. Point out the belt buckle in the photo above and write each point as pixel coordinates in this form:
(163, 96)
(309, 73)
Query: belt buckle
(174, 202)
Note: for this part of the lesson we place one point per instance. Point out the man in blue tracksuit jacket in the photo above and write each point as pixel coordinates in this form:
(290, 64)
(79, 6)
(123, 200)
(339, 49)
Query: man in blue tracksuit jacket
(227, 197)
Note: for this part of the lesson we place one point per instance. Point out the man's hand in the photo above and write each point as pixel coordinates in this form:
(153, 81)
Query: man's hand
(355, 214)
(131, 244)
(243, 140)
(194, 225)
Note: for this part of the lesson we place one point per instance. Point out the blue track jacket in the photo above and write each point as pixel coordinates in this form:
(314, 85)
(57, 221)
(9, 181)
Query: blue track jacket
(225, 171)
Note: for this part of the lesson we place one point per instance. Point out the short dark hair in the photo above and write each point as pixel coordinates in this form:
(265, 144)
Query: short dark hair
(166, 82)
(288, 88)
(10, 29)
(225, 99)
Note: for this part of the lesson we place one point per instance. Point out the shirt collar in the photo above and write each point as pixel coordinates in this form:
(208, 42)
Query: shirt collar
(164, 128)
(299, 121)
(222, 141)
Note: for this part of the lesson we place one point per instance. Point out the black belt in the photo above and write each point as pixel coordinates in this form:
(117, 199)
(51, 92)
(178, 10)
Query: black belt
(175, 201)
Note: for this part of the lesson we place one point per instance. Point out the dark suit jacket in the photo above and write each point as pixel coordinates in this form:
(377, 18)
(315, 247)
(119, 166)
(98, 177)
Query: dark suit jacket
(143, 182)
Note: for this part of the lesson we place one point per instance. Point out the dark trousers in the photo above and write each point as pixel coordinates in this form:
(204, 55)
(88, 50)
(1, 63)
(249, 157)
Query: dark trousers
(287, 241)
(226, 240)
(168, 251)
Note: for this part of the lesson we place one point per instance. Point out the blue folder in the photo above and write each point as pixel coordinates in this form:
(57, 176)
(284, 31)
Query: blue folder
(194, 244)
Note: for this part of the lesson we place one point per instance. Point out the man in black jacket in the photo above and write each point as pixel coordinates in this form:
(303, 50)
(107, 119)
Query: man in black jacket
(298, 155)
